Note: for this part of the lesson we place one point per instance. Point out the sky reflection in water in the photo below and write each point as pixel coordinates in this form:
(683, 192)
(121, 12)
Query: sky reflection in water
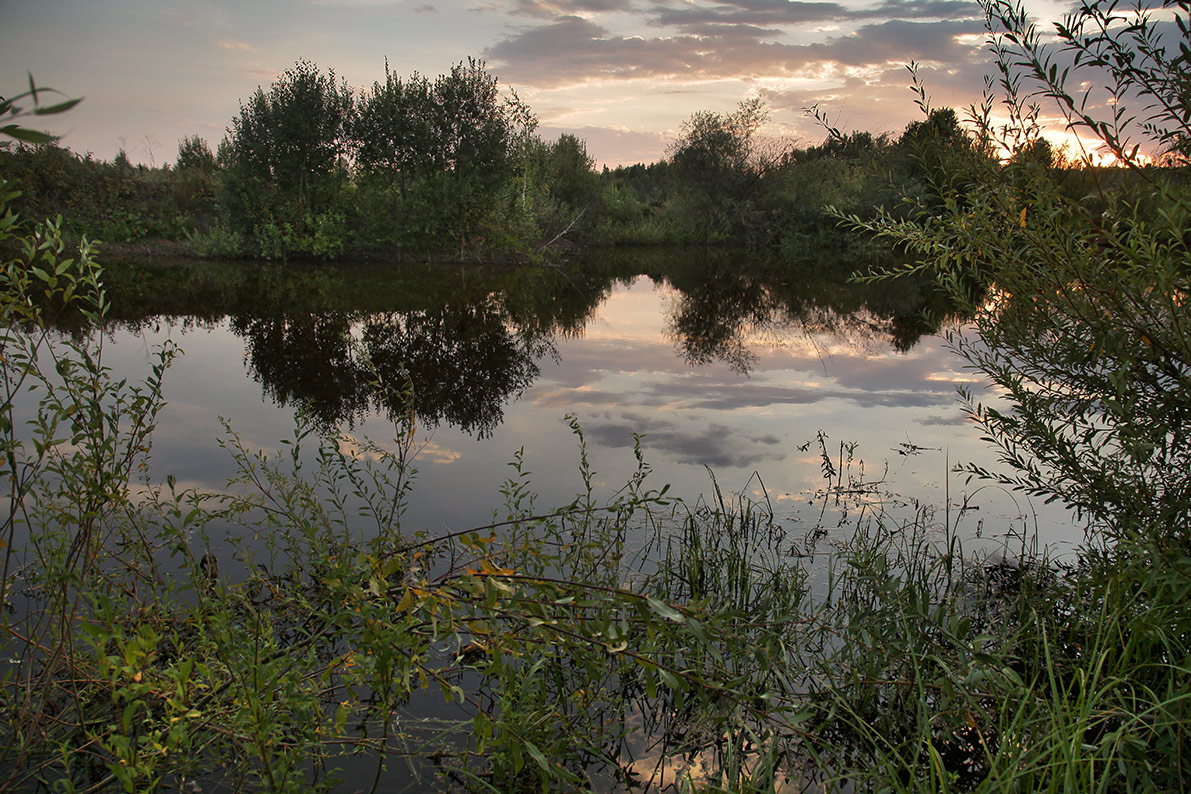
(749, 407)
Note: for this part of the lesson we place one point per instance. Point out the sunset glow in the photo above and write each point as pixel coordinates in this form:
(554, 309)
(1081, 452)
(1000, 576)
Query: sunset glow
(621, 74)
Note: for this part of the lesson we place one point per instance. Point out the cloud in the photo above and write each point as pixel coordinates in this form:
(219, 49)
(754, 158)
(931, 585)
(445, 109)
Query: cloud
(437, 453)
(764, 12)
(959, 420)
(566, 398)
(882, 102)
(732, 32)
(714, 445)
(698, 394)
(930, 9)
(572, 50)
(550, 9)
(899, 41)
(238, 46)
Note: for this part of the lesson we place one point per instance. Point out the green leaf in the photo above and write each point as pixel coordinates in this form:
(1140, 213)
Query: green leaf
(61, 107)
(699, 632)
(537, 755)
(26, 135)
(663, 610)
(671, 680)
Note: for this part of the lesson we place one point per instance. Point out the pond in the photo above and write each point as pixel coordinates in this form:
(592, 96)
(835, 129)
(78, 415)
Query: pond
(724, 365)
(782, 384)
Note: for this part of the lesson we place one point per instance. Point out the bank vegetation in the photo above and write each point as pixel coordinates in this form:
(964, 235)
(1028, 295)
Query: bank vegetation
(140, 655)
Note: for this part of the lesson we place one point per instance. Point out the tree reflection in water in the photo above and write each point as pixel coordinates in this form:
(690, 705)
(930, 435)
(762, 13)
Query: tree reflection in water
(343, 342)
(730, 302)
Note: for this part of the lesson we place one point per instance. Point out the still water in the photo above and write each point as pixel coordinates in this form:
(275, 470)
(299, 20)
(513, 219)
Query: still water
(727, 367)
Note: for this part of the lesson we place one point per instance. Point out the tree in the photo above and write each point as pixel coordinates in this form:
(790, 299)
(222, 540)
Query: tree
(715, 169)
(570, 173)
(477, 137)
(451, 147)
(286, 148)
(941, 129)
(194, 154)
(935, 157)
(1086, 329)
(566, 189)
(393, 129)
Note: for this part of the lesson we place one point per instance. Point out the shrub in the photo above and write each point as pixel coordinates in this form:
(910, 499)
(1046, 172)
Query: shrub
(1084, 328)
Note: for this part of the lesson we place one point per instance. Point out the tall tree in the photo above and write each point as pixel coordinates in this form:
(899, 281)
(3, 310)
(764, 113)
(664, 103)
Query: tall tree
(478, 134)
(570, 172)
(714, 168)
(286, 145)
(452, 146)
(393, 129)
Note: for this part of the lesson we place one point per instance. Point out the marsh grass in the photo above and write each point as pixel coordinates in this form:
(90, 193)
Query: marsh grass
(716, 654)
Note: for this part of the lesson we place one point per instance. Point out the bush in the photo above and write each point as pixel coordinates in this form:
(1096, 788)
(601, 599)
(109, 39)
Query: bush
(1084, 328)
(1079, 681)
(218, 242)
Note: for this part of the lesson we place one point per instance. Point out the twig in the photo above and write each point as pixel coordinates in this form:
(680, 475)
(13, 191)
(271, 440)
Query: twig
(544, 246)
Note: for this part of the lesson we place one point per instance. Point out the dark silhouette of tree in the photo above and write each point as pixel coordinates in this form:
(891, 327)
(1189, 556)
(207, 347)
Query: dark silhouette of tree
(194, 154)
(715, 170)
(449, 151)
(285, 147)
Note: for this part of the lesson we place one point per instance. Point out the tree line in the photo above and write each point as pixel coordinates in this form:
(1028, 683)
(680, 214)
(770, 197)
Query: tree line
(451, 167)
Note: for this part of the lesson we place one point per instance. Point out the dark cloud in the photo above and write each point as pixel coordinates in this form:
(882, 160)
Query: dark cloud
(571, 50)
(765, 12)
(944, 421)
(930, 9)
(689, 18)
(736, 396)
(714, 445)
(724, 32)
(900, 41)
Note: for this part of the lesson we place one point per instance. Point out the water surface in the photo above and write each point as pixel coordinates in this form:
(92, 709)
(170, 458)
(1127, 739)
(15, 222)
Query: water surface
(715, 363)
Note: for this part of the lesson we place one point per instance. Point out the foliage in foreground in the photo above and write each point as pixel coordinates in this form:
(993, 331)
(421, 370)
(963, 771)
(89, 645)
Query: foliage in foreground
(1085, 332)
(1086, 327)
(143, 655)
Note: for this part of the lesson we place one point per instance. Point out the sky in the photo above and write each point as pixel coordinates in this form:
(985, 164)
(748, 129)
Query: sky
(621, 74)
